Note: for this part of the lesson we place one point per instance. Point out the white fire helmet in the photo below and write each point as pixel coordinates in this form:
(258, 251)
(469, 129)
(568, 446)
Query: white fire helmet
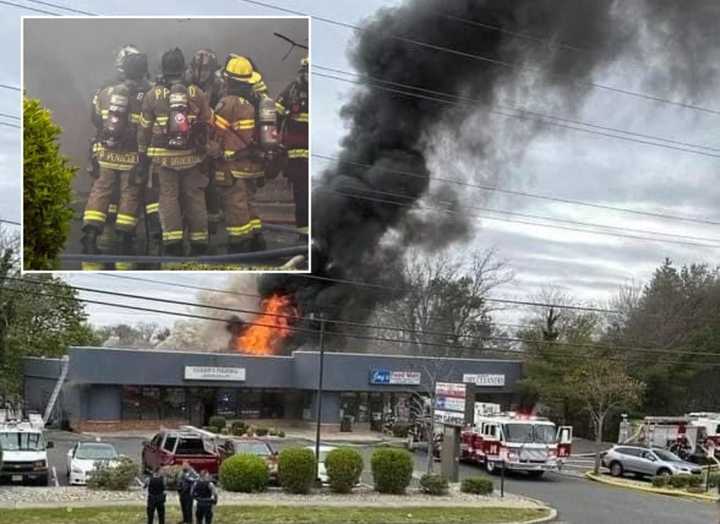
(122, 54)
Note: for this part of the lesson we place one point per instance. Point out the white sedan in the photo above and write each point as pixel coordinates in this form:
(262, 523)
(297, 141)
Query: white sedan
(83, 457)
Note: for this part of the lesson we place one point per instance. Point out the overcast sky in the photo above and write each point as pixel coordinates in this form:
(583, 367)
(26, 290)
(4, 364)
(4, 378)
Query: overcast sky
(563, 164)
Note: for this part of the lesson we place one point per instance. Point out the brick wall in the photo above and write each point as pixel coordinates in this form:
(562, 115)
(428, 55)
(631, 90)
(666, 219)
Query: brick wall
(109, 426)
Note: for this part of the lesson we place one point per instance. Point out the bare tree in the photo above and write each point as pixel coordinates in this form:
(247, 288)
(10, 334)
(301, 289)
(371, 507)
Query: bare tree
(602, 386)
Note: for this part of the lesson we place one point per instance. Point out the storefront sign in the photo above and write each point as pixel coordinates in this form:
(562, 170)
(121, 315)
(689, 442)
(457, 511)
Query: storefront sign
(394, 378)
(214, 373)
(484, 380)
(450, 403)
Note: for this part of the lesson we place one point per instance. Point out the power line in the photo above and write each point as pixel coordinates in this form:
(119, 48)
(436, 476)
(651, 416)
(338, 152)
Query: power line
(519, 193)
(36, 10)
(514, 221)
(677, 352)
(58, 6)
(474, 102)
(520, 116)
(6, 86)
(11, 222)
(575, 222)
(494, 61)
(7, 115)
(8, 124)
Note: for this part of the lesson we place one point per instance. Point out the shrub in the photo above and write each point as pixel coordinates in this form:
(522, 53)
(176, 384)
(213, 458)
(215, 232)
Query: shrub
(118, 476)
(245, 473)
(661, 481)
(391, 469)
(679, 481)
(238, 428)
(273, 432)
(434, 484)
(47, 189)
(296, 469)
(171, 474)
(212, 429)
(218, 422)
(281, 434)
(400, 430)
(695, 481)
(477, 485)
(261, 432)
(344, 467)
(714, 480)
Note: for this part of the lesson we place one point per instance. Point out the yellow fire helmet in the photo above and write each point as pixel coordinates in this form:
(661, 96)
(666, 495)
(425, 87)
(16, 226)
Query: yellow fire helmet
(239, 69)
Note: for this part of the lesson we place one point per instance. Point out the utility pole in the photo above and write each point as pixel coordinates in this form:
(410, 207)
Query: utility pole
(318, 415)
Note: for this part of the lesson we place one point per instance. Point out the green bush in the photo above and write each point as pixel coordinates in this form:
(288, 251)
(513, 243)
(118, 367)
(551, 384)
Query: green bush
(391, 469)
(296, 469)
(118, 476)
(434, 484)
(171, 474)
(714, 480)
(679, 481)
(344, 467)
(238, 428)
(212, 429)
(217, 422)
(261, 432)
(400, 430)
(281, 434)
(695, 481)
(47, 189)
(245, 473)
(477, 485)
(660, 481)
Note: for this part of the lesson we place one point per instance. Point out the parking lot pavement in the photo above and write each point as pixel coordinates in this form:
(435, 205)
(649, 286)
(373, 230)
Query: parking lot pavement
(580, 501)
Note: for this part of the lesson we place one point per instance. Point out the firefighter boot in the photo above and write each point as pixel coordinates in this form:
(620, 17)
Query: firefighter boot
(125, 246)
(89, 240)
(198, 249)
(173, 250)
(240, 246)
(257, 242)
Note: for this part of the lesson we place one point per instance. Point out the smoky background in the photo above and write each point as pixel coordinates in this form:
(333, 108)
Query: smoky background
(66, 60)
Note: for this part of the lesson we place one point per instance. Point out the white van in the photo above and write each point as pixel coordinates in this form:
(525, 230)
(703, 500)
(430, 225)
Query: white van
(24, 452)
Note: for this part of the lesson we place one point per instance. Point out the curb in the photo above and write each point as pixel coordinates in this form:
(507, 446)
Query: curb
(550, 518)
(656, 491)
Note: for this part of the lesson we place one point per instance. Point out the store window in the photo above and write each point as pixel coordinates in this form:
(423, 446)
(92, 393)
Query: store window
(153, 403)
(174, 404)
(226, 402)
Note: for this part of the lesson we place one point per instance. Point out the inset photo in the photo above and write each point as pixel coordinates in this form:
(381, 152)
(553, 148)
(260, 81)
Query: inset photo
(166, 144)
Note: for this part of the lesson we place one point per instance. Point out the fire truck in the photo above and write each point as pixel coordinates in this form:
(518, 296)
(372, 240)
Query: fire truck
(520, 442)
(694, 436)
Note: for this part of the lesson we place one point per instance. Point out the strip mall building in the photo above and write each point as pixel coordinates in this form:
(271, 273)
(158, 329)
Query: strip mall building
(109, 389)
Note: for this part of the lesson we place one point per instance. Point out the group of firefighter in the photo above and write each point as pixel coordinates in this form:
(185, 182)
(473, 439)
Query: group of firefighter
(190, 150)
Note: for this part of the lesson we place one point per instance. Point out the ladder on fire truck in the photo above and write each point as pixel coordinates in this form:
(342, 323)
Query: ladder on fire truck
(58, 388)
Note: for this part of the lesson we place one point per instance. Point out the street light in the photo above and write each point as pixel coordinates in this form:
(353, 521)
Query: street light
(318, 415)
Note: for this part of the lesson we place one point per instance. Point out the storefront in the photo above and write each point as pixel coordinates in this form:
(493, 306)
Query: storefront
(121, 388)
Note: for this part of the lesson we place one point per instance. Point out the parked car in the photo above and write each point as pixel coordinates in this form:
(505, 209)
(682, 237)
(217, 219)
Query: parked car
(174, 447)
(83, 458)
(322, 472)
(256, 447)
(646, 461)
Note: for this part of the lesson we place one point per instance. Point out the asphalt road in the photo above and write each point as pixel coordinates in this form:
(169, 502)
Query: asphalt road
(580, 501)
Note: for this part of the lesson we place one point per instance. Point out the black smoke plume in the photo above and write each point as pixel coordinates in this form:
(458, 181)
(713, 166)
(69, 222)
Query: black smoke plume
(359, 232)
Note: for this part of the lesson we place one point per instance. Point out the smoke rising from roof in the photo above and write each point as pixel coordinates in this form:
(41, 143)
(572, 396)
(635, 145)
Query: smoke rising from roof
(360, 234)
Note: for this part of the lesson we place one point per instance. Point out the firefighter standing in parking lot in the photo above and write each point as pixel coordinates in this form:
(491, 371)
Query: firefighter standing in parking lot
(116, 115)
(240, 157)
(185, 483)
(292, 105)
(173, 134)
(206, 496)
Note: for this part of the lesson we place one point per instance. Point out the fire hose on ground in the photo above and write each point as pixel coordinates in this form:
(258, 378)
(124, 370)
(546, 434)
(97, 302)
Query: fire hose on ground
(254, 256)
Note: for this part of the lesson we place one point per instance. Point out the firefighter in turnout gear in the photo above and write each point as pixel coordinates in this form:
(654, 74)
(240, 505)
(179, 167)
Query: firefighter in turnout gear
(203, 72)
(240, 158)
(292, 106)
(173, 134)
(116, 116)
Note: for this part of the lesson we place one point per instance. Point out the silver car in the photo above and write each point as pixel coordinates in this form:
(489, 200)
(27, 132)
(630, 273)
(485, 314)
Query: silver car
(646, 461)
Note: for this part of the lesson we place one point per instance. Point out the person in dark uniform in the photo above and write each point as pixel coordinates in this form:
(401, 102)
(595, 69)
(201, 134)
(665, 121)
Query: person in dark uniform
(156, 497)
(188, 476)
(205, 494)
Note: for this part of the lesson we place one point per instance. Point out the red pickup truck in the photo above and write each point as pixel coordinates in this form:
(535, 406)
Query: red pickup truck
(173, 447)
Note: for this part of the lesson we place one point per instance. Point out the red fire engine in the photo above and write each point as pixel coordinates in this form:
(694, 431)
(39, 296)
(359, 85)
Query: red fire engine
(522, 442)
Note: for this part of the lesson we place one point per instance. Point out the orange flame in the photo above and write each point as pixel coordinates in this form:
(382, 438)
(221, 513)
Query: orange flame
(269, 329)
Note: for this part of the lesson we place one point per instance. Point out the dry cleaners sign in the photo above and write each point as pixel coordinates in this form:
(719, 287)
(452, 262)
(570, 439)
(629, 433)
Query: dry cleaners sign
(214, 373)
(484, 380)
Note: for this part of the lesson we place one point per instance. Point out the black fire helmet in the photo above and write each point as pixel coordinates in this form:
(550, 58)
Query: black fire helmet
(173, 63)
